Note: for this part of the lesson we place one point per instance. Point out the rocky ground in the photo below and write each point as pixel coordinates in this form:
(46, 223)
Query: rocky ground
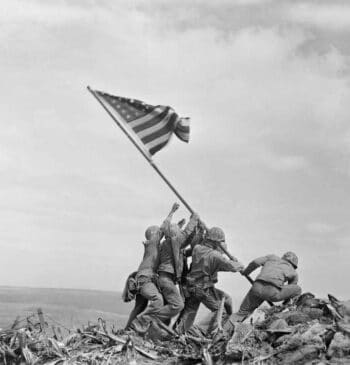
(306, 331)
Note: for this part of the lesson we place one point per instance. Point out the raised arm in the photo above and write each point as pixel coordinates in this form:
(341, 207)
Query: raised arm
(191, 226)
(260, 261)
(166, 224)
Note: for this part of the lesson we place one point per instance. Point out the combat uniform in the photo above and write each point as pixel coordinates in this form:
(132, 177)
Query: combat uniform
(171, 266)
(148, 300)
(206, 263)
(269, 284)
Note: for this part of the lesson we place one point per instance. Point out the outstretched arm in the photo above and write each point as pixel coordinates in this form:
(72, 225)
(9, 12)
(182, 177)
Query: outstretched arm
(260, 261)
(166, 224)
(221, 263)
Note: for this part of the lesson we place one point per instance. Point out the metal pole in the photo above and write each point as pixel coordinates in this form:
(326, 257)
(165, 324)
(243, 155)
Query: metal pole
(155, 167)
(144, 154)
(151, 162)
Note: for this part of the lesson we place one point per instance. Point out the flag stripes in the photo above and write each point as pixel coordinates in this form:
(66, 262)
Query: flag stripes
(153, 125)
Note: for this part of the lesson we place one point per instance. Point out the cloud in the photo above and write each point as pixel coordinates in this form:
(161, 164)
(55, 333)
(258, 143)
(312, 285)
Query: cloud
(269, 125)
(321, 228)
(284, 163)
(42, 12)
(335, 17)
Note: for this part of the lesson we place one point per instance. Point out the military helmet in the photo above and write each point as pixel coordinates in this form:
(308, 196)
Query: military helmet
(216, 234)
(151, 231)
(291, 257)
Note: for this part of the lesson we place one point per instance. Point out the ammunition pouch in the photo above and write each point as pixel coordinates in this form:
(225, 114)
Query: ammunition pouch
(130, 289)
(203, 282)
(143, 279)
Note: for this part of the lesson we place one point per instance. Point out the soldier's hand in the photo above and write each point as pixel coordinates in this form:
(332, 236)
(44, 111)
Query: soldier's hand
(202, 225)
(195, 216)
(241, 271)
(175, 207)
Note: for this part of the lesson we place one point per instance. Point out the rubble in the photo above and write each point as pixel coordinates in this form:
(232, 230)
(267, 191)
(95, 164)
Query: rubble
(282, 334)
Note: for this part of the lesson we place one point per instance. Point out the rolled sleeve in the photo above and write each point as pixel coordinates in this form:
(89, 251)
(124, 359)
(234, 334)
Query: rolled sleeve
(165, 227)
(222, 264)
(191, 225)
(293, 279)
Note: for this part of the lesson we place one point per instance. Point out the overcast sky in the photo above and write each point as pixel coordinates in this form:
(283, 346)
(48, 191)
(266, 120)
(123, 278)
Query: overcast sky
(266, 84)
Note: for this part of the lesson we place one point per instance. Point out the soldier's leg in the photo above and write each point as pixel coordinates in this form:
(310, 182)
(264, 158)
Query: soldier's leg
(188, 315)
(228, 301)
(172, 297)
(212, 300)
(140, 306)
(252, 300)
(155, 300)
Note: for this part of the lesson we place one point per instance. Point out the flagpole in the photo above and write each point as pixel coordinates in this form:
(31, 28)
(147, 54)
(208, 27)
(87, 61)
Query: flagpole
(151, 162)
(143, 153)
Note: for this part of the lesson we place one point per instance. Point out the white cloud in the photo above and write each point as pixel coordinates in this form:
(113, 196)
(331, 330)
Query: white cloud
(36, 11)
(260, 107)
(284, 163)
(328, 16)
(321, 228)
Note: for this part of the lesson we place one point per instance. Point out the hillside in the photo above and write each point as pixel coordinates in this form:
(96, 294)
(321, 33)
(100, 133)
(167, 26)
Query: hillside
(67, 306)
(307, 330)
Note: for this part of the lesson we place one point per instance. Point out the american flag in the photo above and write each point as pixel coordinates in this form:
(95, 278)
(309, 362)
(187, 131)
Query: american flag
(153, 125)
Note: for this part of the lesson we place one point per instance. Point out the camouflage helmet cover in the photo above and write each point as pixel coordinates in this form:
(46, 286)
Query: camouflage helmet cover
(216, 234)
(291, 257)
(151, 231)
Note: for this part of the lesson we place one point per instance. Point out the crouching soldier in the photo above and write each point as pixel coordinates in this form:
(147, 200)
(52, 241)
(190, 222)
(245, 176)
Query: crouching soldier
(270, 283)
(207, 261)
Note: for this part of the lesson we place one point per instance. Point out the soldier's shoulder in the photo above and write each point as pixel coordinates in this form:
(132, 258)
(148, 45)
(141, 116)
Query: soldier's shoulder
(273, 257)
(218, 255)
(198, 248)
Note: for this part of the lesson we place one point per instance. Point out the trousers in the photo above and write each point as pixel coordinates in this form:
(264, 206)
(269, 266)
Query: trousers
(149, 302)
(140, 306)
(208, 296)
(261, 291)
(172, 298)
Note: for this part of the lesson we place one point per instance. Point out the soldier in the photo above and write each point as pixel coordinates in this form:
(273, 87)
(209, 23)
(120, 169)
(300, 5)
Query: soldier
(171, 264)
(270, 283)
(207, 261)
(148, 298)
(144, 282)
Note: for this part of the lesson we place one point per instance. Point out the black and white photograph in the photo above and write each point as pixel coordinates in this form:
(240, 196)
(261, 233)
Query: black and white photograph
(175, 182)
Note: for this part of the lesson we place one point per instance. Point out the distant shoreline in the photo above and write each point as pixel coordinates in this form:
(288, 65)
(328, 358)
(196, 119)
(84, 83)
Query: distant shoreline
(55, 288)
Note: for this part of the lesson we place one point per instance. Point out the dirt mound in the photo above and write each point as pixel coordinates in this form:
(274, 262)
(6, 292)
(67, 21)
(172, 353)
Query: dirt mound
(306, 331)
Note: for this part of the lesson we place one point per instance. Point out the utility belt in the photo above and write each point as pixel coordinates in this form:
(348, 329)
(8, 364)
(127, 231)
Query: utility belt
(144, 279)
(268, 283)
(204, 282)
(169, 275)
